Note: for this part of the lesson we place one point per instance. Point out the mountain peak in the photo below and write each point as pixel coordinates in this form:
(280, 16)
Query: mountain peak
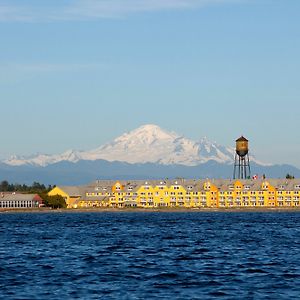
(146, 134)
(149, 127)
(148, 143)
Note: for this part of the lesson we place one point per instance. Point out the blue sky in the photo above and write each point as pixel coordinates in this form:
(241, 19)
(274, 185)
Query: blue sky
(75, 74)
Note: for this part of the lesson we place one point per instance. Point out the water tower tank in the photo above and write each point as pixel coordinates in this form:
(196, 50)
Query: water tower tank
(242, 148)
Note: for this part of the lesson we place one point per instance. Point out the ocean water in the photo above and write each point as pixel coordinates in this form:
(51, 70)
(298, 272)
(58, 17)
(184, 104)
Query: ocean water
(150, 256)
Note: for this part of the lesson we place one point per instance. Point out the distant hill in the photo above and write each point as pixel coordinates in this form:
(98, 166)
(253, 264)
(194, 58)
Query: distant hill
(147, 152)
(146, 144)
(82, 172)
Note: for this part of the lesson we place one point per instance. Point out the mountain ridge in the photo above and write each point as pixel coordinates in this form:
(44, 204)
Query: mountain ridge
(146, 144)
(83, 172)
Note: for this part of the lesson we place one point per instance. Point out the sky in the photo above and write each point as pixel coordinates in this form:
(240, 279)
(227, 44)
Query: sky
(75, 74)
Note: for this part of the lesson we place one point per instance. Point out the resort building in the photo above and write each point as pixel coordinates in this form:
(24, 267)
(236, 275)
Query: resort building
(183, 193)
(17, 200)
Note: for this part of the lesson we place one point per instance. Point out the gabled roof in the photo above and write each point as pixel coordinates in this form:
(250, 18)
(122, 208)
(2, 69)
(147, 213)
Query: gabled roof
(242, 139)
(72, 191)
(96, 198)
(19, 197)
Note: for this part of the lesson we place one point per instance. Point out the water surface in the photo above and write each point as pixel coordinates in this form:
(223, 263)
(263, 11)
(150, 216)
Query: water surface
(150, 256)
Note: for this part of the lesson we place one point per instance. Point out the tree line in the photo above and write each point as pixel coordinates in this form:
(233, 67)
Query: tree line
(36, 188)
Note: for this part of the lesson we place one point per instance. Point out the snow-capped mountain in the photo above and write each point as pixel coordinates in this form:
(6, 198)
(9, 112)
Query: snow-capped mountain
(146, 144)
(44, 159)
(150, 143)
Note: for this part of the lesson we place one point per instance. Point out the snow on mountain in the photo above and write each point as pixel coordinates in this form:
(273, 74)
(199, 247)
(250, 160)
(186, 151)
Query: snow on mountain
(44, 159)
(148, 143)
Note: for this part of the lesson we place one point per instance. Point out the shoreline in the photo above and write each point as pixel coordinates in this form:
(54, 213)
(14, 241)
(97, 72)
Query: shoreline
(151, 210)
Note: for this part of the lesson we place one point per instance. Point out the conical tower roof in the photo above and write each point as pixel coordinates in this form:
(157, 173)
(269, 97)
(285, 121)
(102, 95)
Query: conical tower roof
(242, 139)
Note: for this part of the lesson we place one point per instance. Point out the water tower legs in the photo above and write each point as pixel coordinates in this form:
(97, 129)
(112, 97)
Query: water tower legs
(241, 167)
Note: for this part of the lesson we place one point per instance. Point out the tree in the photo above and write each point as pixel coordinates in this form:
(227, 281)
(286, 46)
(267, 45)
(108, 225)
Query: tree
(56, 201)
(289, 176)
(4, 186)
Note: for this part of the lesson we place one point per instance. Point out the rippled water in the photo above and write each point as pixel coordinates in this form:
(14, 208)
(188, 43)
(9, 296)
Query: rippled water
(150, 255)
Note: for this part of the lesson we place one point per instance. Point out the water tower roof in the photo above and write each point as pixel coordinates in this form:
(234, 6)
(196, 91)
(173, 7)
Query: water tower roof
(242, 139)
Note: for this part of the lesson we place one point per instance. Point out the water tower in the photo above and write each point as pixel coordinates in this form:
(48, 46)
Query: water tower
(241, 161)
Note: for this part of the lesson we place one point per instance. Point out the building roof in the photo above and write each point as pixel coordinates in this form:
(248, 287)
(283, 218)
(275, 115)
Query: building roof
(19, 197)
(95, 198)
(72, 191)
(191, 185)
(242, 139)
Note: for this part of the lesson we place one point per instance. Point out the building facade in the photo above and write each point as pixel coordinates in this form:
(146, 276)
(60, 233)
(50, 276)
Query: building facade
(183, 193)
(21, 201)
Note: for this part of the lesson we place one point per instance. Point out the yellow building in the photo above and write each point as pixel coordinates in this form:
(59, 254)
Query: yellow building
(71, 194)
(181, 193)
